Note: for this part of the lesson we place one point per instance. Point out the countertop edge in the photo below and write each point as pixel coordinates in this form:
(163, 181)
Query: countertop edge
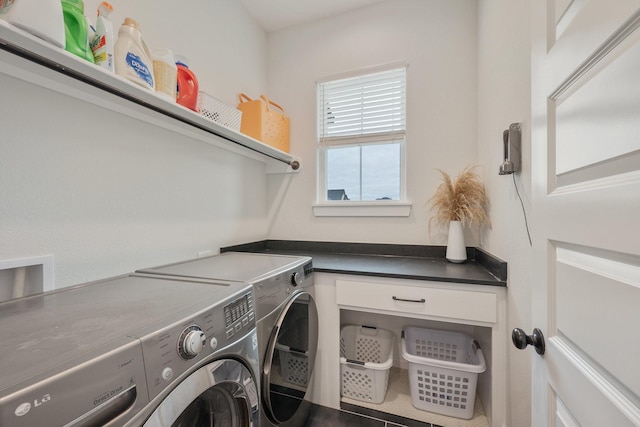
(493, 265)
(412, 277)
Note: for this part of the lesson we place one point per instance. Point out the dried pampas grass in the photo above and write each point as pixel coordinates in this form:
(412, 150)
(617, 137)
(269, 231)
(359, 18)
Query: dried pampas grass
(463, 200)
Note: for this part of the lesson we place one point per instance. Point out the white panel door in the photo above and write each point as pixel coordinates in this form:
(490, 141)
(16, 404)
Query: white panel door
(586, 201)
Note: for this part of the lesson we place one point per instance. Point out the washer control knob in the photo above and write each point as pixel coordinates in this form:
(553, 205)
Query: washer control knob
(194, 342)
(296, 279)
(191, 342)
(213, 343)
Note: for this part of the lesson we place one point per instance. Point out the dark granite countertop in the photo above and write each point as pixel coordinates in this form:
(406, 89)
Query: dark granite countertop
(385, 260)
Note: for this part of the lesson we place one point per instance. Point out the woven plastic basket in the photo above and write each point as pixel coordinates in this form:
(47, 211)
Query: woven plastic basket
(366, 355)
(294, 365)
(443, 370)
(265, 121)
(291, 346)
(219, 112)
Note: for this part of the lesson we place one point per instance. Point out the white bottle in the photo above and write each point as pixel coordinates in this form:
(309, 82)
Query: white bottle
(40, 18)
(165, 73)
(102, 44)
(132, 58)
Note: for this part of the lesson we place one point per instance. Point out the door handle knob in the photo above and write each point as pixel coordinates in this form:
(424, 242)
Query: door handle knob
(521, 340)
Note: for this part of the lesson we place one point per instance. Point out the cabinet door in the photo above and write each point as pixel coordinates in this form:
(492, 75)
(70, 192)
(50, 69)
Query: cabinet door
(431, 301)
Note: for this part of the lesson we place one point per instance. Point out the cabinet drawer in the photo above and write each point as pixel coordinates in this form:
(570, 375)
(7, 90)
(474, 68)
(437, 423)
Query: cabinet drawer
(418, 300)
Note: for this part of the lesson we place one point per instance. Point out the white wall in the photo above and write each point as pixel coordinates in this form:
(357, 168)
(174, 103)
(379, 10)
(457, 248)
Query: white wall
(468, 80)
(106, 194)
(438, 39)
(504, 98)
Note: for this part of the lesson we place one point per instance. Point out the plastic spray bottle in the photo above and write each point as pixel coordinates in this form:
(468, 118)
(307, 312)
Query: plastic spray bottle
(132, 57)
(103, 43)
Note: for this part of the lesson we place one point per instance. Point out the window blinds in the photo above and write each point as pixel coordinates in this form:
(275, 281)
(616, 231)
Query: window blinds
(363, 109)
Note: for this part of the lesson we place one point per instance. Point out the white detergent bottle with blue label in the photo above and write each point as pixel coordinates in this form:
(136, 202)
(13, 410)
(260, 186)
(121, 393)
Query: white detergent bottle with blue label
(132, 57)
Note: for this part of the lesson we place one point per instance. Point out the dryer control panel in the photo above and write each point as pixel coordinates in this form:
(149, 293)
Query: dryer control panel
(175, 349)
(272, 291)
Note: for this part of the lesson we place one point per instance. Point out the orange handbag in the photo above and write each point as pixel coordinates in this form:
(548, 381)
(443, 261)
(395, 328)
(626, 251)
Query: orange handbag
(264, 123)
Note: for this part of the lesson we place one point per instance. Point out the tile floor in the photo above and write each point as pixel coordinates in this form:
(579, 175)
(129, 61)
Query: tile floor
(320, 416)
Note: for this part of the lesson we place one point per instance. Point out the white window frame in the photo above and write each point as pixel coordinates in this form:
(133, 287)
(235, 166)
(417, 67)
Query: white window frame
(324, 207)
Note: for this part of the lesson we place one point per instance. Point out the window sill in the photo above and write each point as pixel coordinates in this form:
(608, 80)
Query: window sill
(363, 209)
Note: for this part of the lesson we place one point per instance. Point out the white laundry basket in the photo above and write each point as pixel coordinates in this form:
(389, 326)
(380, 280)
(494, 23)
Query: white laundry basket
(294, 365)
(366, 355)
(443, 370)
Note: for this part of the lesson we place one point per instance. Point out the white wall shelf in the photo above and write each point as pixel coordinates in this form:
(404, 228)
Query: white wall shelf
(26, 57)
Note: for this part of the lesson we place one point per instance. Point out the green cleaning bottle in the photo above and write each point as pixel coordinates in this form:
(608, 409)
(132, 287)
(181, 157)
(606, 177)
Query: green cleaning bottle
(76, 29)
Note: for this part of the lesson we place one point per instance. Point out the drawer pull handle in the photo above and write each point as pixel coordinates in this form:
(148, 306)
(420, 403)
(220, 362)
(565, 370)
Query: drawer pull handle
(421, 300)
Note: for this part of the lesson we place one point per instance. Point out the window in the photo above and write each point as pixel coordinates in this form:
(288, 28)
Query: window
(361, 137)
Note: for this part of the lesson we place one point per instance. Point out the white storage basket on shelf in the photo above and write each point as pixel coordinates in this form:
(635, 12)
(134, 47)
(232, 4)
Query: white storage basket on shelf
(443, 370)
(366, 355)
(219, 112)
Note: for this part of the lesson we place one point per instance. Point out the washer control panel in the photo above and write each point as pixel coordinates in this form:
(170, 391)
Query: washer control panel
(239, 315)
(237, 309)
(175, 349)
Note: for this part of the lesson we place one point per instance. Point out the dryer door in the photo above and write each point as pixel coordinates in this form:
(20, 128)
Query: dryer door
(289, 358)
(222, 393)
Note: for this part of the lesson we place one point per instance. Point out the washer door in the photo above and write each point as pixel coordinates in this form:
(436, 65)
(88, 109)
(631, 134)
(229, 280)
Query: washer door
(290, 358)
(222, 393)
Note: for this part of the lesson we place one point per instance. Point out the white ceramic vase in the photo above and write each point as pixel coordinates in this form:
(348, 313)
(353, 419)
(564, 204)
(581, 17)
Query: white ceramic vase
(456, 249)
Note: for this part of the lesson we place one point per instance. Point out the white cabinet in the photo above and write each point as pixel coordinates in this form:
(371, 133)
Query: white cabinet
(478, 310)
(419, 299)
